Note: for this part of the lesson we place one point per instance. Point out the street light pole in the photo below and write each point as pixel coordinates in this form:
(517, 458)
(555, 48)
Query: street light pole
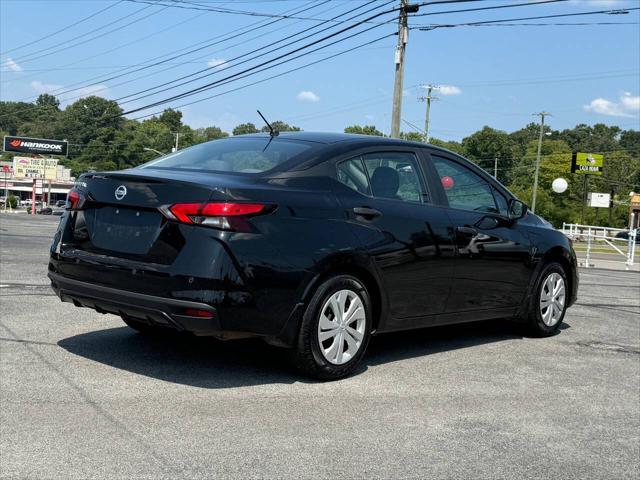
(535, 177)
(153, 150)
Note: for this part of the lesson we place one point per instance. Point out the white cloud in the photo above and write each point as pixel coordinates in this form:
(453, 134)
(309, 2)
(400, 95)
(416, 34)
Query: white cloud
(42, 87)
(11, 65)
(627, 106)
(307, 96)
(630, 102)
(217, 63)
(449, 90)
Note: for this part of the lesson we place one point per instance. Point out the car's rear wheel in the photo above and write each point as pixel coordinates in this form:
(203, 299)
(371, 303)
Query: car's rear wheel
(335, 329)
(549, 304)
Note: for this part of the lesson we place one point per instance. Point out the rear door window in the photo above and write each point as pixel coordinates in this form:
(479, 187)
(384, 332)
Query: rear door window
(393, 175)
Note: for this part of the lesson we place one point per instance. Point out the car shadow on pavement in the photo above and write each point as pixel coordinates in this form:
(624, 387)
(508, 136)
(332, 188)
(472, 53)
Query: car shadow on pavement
(209, 363)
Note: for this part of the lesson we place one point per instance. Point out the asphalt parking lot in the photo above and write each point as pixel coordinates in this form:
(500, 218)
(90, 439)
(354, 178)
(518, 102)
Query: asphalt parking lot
(83, 396)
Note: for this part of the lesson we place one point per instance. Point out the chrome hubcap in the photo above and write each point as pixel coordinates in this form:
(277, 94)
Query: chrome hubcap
(552, 297)
(341, 327)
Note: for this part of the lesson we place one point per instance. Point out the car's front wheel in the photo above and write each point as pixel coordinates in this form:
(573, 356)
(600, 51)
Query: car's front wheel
(335, 329)
(549, 303)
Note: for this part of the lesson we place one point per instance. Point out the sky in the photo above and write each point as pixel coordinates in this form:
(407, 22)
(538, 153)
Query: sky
(496, 75)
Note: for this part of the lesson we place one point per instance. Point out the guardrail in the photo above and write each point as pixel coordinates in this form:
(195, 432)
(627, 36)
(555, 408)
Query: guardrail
(605, 236)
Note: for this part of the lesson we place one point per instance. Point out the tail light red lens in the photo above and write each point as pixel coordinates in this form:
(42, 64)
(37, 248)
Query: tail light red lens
(213, 214)
(75, 200)
(195, 312)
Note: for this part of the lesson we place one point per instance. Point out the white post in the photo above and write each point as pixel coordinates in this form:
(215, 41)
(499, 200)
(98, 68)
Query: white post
(631, 243)
(588, 259)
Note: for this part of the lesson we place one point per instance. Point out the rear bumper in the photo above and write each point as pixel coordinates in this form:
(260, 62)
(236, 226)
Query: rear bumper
(155, 310)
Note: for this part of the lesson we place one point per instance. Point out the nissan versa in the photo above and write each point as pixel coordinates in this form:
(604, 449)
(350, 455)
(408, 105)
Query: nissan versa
(313, 242)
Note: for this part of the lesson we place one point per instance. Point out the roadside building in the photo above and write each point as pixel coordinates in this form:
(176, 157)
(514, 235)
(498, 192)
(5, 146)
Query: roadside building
(17, 178)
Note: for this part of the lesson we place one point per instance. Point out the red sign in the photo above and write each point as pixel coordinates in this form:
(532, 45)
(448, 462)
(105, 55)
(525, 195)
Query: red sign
(6, 169)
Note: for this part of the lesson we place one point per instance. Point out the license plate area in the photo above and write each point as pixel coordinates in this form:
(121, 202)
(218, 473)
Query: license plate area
(122, 229)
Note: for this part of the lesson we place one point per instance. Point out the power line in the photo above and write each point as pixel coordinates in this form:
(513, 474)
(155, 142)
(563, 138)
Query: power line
(295, 69)
(41, 53)
(137, 95)
(195, 6)
(287, 54)
(434, 26)
(227, 36)
(184, 63)
(495, 7)
(578, 24)
(63, 29)
(179, 53)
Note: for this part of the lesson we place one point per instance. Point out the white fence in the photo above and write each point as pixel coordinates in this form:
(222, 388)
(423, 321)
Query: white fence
(603, 237)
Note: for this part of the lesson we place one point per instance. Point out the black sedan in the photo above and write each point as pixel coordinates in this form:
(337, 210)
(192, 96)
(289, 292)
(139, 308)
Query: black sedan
(313, 242)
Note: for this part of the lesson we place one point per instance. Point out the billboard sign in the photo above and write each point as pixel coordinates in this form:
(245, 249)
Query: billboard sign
(35, 145)
(587, 163)
(27, 167)
(599, 200)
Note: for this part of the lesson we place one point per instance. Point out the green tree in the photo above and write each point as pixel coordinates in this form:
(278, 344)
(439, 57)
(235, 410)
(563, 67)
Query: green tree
(91, 118)
(630, 141)
(281, 126)
(12, 201)
(209, 133)
(455, 147)
(47, 100)
(592, 139)
(488, 144)
(555, 161)
(522, 138)
(172, 119)
(245, 128)
(412, 136)
(366, 130)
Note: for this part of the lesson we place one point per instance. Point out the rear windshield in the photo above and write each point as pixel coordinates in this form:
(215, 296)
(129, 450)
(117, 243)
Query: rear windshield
(236, 155)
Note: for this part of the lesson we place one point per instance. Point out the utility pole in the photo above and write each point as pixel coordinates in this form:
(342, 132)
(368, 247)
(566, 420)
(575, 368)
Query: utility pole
(428, 99)
(495, 168)
(535, 178)
(403, 37)
(175, 149)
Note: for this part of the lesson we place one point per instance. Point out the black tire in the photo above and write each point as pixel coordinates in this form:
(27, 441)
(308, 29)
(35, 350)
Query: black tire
(536, 327)
(307, 356)
(143, 327)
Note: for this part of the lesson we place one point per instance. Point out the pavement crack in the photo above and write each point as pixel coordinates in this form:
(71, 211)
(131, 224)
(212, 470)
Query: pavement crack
(610, 347)
(21, 340)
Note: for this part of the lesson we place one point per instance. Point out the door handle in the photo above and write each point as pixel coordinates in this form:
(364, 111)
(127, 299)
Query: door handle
(367, 212)
(467, 230)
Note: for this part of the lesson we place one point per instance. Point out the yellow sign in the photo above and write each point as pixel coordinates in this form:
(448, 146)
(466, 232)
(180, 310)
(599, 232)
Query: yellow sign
(587, 163)
(27, 167)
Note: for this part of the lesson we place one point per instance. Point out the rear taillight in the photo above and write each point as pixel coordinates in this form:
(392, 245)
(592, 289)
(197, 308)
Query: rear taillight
(75, 200)
(227, 216)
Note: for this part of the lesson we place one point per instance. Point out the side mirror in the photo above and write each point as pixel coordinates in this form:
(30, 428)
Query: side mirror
(517, 209)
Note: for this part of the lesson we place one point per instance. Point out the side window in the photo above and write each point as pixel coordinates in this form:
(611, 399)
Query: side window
(464, 189)
(501, 201)
(351, 173)
(393, 175)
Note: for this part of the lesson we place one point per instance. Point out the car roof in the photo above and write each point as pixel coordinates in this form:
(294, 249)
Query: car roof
(331, 138)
